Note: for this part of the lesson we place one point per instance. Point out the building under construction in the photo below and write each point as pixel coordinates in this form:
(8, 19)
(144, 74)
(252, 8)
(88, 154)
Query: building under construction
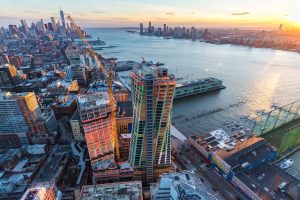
(152, 98)
(95, 116)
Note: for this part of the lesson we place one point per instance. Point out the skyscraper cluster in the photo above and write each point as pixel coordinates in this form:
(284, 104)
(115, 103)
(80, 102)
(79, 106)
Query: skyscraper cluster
(166, 31)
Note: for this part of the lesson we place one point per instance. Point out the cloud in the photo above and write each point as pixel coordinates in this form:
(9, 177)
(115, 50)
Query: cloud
(98, 11)
(160, 19)
(170, 13)
(119, 18)
(31, 11)
(79, 13)
(241, 13)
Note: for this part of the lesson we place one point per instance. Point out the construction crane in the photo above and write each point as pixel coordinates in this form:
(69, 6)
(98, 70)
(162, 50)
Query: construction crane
(109, 79)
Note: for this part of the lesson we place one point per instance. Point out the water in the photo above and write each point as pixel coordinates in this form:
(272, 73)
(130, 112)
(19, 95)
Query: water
(255, 78)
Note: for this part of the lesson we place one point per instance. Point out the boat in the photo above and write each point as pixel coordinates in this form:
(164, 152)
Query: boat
(185, 89)
(287, 164)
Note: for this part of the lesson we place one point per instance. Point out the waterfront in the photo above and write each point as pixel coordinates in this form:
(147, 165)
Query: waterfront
(255, 78)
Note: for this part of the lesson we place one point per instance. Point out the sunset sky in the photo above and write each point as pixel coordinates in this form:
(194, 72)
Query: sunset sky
(120, 13)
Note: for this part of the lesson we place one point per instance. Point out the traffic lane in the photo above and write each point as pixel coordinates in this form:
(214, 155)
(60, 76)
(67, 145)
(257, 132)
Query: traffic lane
(219, 183)
(205, 183)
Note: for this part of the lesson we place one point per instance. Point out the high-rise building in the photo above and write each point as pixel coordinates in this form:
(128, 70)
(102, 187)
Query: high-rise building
(8, 75)
(42, 25)
(24, 24)
(19, 112)
(53, 22)
(95, 116)
(62, 18)
(13, 29)
(152, 98)
(141, 28)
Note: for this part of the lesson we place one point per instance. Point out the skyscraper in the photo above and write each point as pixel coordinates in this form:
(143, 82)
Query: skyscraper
(24, 24)
(53, 23)
(95, 116)
(141, 28)
(62, 18)
(152, 98)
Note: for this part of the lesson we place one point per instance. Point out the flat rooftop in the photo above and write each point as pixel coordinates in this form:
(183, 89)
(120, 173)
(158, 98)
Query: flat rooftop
(256, 150)
(185, 183)
(115, 191)
(124, 109)
(265, 179)
(93, 100)
(37, 191)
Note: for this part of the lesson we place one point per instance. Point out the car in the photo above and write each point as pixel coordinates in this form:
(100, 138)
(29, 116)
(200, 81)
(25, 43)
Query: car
(287, 164)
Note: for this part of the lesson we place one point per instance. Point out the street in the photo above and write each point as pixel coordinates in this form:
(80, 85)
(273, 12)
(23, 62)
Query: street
(214, 183)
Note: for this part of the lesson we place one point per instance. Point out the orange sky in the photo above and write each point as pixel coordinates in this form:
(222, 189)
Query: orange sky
(198, 13)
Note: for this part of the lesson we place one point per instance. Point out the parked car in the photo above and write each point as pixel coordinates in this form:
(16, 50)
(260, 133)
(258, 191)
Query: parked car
(287, 164)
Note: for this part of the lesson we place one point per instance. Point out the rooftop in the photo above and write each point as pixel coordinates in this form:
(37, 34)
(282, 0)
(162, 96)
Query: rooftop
(93, 100)
(61, 83)
(115, 191)
(125, 109)
(184, 183)
(37, 191)
(266, 179)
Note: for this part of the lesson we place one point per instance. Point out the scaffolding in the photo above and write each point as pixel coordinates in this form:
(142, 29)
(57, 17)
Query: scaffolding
(266, 122)
(280, 126)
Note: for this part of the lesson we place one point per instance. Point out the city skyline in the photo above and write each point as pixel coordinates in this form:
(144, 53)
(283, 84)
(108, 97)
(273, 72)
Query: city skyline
(248, 14)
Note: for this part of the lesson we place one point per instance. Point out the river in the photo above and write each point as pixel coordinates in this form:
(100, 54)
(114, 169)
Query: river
(254, 78)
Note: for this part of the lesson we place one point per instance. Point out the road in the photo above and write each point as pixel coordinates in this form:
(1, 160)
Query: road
(65, 135)
(212, 181)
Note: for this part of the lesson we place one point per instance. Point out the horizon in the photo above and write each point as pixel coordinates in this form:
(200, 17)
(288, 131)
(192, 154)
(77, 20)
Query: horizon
(118, 14)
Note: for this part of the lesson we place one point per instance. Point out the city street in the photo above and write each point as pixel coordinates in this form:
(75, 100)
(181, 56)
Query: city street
(212, 181)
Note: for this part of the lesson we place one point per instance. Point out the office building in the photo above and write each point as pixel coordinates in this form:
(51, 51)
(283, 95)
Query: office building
(152, 98)
(62, 18)
(20, 112)
(8, 75)
(24, 24)
(53, 22)
(11, 116)
(141, 28)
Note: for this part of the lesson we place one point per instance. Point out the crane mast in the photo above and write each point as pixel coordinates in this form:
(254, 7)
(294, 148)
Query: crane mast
(109, 78)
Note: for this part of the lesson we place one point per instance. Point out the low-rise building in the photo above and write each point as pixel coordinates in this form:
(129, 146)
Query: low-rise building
(62, 86)
(42, 191)
(245, 162)
(118, 191)
(178, 186)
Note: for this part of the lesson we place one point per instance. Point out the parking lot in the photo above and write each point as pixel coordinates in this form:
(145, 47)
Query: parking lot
(294, 170)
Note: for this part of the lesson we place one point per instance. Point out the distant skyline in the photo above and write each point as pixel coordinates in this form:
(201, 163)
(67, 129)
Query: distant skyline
(124, 13)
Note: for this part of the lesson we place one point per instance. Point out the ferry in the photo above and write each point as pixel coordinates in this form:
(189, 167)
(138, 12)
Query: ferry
(194, 87)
